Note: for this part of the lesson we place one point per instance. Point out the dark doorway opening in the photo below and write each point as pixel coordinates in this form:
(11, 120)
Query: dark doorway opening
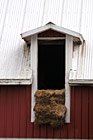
(51, 64)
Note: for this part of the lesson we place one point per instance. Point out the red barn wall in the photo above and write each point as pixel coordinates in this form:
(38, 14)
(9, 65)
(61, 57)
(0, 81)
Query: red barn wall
(15, 113)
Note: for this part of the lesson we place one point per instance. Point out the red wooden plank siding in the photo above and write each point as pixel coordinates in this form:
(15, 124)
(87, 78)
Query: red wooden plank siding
(22, 106)
(36, 131)
(2, 111)
(57, 133)
(90, 113)
(71, 127)
(49, 131)
(15, 112)
(30, 126)
(65, 131)
(15, 115)
(9, 112)
(5, 112)
(84, 112)
(42, 131)
(78, 121)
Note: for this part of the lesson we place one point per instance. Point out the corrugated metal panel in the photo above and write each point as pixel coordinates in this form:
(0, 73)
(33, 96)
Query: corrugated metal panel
(11, 50)
(19, 16)
(15, 115)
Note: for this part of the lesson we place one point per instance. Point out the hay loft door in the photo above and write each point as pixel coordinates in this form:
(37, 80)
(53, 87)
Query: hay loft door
(51, 61)
(51, 64)
(50, 30)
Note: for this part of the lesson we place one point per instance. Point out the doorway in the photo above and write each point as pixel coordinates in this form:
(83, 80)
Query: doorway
(51, 64)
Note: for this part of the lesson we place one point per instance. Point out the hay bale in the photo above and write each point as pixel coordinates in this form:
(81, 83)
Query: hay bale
(48, 96)
(49, 107)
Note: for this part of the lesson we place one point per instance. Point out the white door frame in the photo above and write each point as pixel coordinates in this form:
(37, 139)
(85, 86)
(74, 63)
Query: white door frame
(34, 67)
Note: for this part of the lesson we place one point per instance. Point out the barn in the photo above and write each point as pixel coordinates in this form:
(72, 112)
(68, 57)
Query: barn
(49, 41)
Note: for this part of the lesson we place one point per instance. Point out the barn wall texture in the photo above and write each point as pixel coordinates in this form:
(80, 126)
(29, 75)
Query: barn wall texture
(15, 115)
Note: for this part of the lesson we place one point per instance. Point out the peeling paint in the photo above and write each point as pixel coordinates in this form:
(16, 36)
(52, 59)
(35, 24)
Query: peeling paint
(26, 62)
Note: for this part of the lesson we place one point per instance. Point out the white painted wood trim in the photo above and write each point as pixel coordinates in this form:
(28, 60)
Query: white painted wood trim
(51, 38)
(35, 31)
(15, 81)
(67, 32)
(34, 54)
(53, 27)
(81, 81)
(68, 63)
(68, 66)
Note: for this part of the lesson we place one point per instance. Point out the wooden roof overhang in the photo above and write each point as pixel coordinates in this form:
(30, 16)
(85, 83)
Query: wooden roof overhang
(77, 37)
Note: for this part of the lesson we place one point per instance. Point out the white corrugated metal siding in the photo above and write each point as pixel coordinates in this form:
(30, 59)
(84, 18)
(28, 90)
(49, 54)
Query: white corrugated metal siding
(17, 16)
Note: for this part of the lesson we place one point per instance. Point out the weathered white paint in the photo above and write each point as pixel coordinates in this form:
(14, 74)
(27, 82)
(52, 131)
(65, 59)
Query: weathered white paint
(53, 27)
(81, 82)
(15, 81)
(24, 79)
(34, 55)
(68, 66)
(51, 38)
(72, 75)
(75, 58)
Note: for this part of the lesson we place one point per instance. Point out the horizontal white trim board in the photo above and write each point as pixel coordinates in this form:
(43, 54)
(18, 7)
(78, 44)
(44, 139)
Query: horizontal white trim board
(82, 82)
(51, 38)
(15, 81)
(38, 139)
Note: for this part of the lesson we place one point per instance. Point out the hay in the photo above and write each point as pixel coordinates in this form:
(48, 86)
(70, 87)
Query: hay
(49, 107)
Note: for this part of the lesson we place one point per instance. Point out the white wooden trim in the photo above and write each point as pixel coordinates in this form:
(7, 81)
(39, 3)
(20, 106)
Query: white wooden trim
(81, 81)
(67, 31)
(38, 139)
(25, 79)
(15, 81)
(53, 27)
(68, 65)
(35, 31)
(51, 38)
(34, 51)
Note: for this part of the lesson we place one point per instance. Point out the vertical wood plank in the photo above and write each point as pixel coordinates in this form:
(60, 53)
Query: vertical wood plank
(85, 113)
(15, 110)
(43, 131)
(36, 131)
(30, 126)
(65, 131)
(34, 51)
(91, 113)
(2, 111)
(57, 132)
(71, 126)
(78, 112)
(49, 131)
(22, 105)
(5, 108)
(9, 123)
(68, 66)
